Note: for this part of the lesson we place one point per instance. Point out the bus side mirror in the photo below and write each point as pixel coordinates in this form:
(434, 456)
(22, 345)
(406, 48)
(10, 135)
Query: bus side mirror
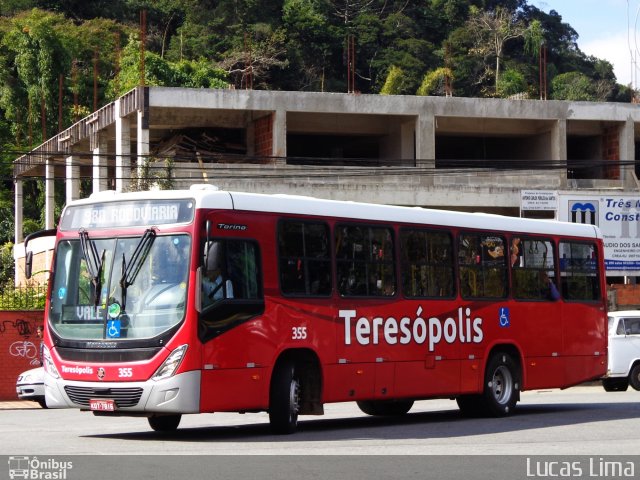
(199, 274)
(28, 265)
(28, 255)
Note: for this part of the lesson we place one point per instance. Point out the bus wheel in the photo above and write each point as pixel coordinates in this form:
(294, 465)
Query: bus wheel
(615, 384)
(164, 423)
(284, 399)
(387, 408)
(501, 385)
(634, 377)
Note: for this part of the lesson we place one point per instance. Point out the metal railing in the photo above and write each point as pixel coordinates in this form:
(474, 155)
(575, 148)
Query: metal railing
(31, 297)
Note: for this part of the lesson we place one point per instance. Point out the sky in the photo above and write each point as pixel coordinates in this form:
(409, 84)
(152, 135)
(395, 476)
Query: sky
(607, 29)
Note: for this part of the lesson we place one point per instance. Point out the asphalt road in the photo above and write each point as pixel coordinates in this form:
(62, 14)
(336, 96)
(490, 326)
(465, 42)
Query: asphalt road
(581, 421)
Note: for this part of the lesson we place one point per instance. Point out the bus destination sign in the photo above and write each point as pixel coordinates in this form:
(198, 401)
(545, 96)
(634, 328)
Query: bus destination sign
(127, 214)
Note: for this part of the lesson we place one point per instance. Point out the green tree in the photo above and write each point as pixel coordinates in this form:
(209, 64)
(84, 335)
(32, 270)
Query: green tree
(493, 29)
(511, 82)
(6, 264)
(573, 86)
(393, 84)
(435, 82)
(160, 72)
(309, 45)
(261, 52)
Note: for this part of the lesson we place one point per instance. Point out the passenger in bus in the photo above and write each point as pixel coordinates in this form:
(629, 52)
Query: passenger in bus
(516, 259)
(548, 288)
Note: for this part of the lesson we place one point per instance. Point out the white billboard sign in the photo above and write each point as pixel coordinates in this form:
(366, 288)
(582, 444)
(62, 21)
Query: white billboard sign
(538, 200)
(618, 217)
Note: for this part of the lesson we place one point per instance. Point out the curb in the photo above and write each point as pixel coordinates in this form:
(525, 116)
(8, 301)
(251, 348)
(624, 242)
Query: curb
(19, 405)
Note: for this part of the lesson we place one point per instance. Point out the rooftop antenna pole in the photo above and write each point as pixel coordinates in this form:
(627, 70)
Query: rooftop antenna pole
(74, 87)
(117, 65)
(143, 39)
(351, 60)
(95, 80)
(60, 82)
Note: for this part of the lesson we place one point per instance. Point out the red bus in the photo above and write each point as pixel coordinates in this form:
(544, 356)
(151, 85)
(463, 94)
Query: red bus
(176, 302)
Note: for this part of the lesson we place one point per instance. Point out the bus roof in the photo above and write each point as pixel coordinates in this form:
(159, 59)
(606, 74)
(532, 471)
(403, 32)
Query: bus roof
(208, 196)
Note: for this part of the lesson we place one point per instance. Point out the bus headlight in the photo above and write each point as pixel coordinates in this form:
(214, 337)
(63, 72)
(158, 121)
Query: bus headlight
(171, 364)
(48, 364)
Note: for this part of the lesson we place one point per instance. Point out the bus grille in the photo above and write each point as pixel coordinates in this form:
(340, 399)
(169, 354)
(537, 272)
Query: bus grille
(124, 397)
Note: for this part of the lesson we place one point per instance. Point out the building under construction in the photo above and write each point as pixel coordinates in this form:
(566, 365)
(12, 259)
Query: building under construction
(461, 153)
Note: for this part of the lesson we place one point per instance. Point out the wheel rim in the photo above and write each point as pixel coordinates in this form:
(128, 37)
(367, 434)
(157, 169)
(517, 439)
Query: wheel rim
(294, 400)
(502, 385)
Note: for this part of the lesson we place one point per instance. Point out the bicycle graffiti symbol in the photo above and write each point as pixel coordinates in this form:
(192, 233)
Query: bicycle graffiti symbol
(24, 349)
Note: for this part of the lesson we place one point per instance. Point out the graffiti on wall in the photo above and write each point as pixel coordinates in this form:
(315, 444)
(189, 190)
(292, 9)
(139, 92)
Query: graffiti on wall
(21, 348)
(25, 349)
(19, 326)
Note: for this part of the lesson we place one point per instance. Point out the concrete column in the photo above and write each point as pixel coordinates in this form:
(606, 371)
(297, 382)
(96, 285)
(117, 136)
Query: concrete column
(123, 150)
(72, 178)
(559, 148)
(280, 133)
(17, 225)
(426, 145)
(49, 189)
(627, 153)
(18, 211)
(143, 142)
(100, 179)
(250, 137)
(408, 141)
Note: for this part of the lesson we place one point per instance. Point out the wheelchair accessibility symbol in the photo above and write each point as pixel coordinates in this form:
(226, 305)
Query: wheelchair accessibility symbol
(505, 320)
(113, 329)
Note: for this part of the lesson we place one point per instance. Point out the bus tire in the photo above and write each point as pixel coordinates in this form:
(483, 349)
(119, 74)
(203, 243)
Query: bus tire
(634, 377)
(501, 385)
(284, 399)
(164, 423)
(615, 384)
(385, 408)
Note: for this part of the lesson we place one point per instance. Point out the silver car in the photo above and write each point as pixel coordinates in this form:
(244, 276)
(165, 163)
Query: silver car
(30, 386)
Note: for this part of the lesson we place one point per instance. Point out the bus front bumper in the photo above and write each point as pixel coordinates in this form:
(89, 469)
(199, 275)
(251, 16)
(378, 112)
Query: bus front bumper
(177, 394)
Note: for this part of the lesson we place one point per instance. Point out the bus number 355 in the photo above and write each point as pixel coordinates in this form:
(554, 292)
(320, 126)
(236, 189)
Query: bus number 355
(298, 333)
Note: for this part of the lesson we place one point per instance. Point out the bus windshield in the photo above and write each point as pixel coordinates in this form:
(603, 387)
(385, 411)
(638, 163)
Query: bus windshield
(119, 288)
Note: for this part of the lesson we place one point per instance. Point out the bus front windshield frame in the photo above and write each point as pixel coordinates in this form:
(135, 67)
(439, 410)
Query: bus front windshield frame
(119, 288)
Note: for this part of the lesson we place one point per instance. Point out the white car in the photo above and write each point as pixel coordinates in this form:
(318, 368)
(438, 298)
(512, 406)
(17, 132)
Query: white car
(624, 351)
(30, 386)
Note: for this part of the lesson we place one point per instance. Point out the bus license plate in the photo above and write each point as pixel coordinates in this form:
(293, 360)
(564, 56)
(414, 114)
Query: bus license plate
(102, 405)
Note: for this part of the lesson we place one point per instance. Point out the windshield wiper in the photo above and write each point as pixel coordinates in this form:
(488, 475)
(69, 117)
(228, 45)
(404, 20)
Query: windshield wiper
(94, 263)
(130, 271)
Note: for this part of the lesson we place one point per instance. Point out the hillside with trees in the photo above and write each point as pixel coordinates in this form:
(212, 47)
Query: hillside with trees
(83, 54)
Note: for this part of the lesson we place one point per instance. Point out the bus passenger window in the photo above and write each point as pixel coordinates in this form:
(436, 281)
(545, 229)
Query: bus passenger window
(534, 273)
(579, 271)
(365, 261)
(236, 296)
(304, 258)
(482, 266)
(230, 271)
(427, 264)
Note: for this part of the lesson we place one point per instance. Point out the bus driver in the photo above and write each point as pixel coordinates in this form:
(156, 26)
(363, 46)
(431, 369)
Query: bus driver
(214, 286)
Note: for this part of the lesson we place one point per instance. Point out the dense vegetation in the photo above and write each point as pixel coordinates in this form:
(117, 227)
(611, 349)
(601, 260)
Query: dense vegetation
(89, 52)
